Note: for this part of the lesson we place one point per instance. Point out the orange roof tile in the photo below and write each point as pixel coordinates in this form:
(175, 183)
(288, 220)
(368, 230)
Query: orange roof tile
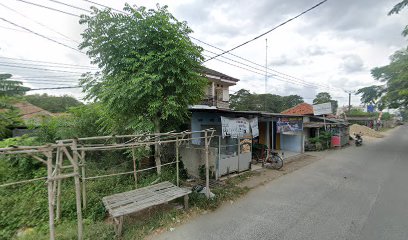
(300, 109)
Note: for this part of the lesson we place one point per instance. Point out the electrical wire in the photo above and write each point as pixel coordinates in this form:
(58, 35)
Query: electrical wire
(101, 5)
(55, 63)
(48, 65)
(40, 35)
(50, 8)
(42, 69)
(39, 23)
(274, 28)
(71, 6)
(37, 89)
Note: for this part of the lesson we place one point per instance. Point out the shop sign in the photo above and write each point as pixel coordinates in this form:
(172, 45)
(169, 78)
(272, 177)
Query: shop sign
(239, 127)
(289, 124)
(322, 109)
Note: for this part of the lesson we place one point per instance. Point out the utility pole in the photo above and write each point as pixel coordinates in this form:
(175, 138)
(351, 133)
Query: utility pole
(349, 105)
(266, 71)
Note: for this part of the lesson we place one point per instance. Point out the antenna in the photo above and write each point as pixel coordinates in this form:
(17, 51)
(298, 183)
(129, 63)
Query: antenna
(266, 71)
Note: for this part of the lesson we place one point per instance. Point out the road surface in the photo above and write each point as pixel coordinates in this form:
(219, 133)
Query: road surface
(355, 193)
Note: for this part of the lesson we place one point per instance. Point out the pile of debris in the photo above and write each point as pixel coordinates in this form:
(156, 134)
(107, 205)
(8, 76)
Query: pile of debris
(365, 131)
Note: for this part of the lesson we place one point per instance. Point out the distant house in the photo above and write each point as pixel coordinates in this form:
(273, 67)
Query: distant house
(313, 125)
(30, 114)
(300, 109)
(217, 91)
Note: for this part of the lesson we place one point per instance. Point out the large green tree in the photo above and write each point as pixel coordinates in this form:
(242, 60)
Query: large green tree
(372, 95)
(395, 77)
(324, 97)
(394, 92)
(53, 104)
(10, 87)
(396, 9)
(151, 70)
(243, 100)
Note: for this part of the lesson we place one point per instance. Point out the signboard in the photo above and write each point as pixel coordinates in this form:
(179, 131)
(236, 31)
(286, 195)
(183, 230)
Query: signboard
(254, 127)
(289, 124)
(370, 108)
(239, 127)
(322, 109)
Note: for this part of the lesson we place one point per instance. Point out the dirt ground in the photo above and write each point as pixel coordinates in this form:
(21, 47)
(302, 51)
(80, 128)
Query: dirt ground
(265, 175)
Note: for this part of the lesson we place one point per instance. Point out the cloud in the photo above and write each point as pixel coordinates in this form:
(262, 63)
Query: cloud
(352, 63)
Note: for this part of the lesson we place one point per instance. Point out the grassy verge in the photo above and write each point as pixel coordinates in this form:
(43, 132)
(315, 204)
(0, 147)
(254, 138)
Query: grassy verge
(150, 221)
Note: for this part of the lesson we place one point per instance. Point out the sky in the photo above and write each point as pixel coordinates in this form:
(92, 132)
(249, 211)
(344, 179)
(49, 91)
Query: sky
(329, 49)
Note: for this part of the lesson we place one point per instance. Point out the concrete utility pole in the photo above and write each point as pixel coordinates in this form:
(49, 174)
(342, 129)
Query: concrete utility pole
(349, 105)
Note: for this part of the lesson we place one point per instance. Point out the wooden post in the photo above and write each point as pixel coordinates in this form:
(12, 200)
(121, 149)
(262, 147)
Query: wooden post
(134, 166)
(238, 150)
(58, 165)
(177, 162)
(83, 179)
(48, 153)
(207, 169)
(77, 189)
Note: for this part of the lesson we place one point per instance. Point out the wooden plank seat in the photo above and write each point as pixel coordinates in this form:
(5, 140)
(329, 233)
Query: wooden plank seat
(121, 204)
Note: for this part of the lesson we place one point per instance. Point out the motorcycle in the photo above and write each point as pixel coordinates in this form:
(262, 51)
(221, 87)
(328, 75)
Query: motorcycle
(358, 140)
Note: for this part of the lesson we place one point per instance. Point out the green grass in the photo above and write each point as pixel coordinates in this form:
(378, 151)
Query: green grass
(149, 221)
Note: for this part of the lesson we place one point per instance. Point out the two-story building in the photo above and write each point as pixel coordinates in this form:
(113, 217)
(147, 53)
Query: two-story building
(236, 130)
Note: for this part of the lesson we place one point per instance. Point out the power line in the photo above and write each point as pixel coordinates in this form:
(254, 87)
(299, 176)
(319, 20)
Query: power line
(17, 30)
(279, 78)
(257, 64)
(101, 5)
(48, 65)
(261, 70)
(292, 79)
(40, 35)
(71, 6)
(50, 8)
(37, 89)
(48, 76)
(56, 63)
(283, 23)
(39, 23)
(43, 69)
(47, 83)
(288, 80)
(297, 80)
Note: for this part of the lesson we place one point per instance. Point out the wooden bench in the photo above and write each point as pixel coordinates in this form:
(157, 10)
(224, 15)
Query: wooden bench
(121, 204)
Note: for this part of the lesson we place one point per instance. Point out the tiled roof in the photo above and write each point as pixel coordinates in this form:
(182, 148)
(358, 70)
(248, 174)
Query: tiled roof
(29, 111)
(300, 109)
(218, 74)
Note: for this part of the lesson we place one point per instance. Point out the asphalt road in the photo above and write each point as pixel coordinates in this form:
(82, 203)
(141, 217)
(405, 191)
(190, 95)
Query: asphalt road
(355, 193)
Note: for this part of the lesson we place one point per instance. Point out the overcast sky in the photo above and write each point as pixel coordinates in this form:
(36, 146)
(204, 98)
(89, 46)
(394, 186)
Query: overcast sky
(334, 46)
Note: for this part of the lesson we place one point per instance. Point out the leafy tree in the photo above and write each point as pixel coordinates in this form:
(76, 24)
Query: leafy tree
(371, 94)
(324, 97)
(53, 104)
(9, 117)
(150, 67)
(394, 92)
(243, 100)
(11, 87)
(394, 75)
(396, 9)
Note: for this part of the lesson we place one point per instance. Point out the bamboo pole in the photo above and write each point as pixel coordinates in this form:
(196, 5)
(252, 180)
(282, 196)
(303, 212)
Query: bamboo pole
(207, 170)
(134, 166)
(60, 158)
(177, 161)
(50, 194)
(77, 188)
(83, 178)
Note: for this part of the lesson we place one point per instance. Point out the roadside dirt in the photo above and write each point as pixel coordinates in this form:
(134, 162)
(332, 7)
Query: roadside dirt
(263, 175)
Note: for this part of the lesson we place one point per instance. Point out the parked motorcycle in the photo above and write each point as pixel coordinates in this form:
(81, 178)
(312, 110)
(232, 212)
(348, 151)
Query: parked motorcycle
(358, 139)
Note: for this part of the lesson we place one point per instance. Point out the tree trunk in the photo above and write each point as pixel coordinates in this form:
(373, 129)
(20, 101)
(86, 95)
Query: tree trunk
(157, 146)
